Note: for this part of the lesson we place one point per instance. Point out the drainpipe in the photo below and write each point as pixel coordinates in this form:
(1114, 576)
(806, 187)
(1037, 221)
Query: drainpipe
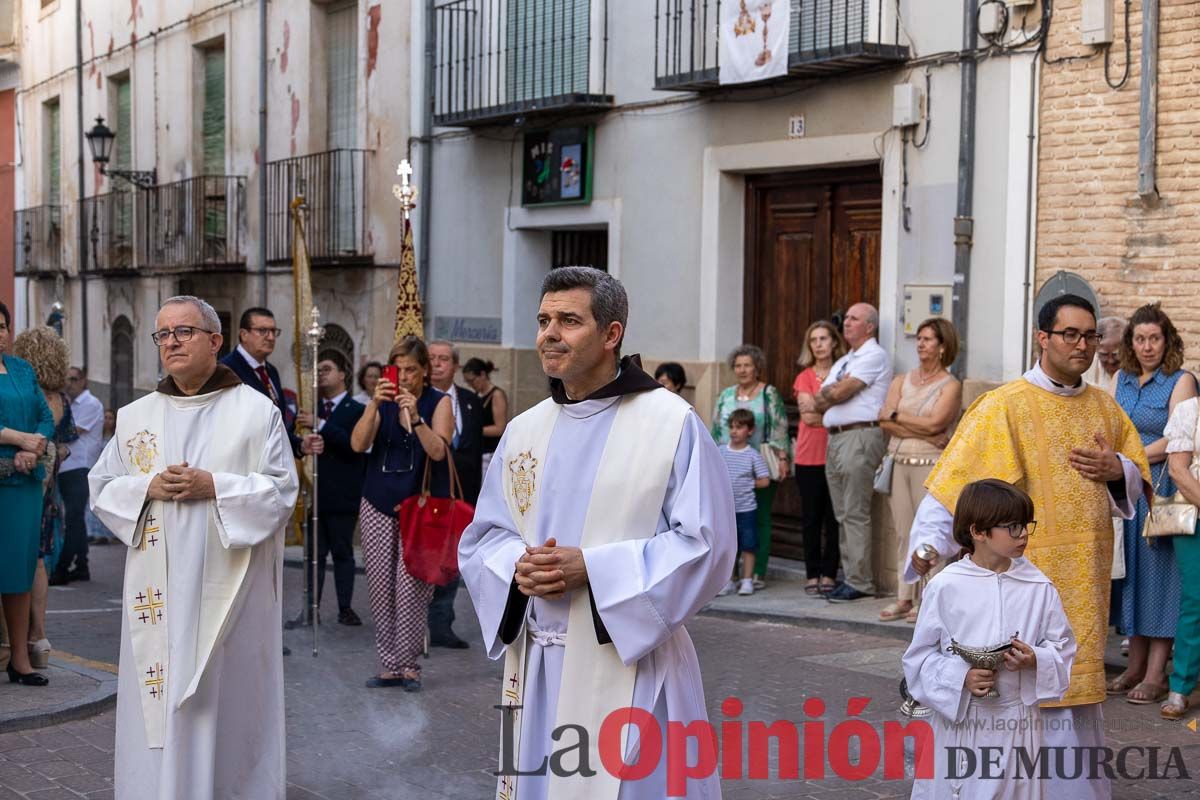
(1031, 154)
(84, 319)
(262, 152)
(427, 161)
(964, 223)
(1148, 111)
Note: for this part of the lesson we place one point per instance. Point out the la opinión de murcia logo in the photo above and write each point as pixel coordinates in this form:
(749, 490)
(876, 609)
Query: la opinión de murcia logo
(853, 749)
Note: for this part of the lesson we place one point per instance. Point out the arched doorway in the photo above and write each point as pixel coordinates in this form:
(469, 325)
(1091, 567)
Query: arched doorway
(122, 363)
(339, 341)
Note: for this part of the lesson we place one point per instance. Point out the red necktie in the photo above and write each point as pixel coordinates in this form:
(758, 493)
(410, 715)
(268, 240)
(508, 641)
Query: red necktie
(266, 380)
(326, 409)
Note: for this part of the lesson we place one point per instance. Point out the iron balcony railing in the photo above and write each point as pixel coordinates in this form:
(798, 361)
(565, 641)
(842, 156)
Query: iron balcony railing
(192, 223)
(108, 220)
(825, 37)
(334, 187)
(38, 240)
(497, 60)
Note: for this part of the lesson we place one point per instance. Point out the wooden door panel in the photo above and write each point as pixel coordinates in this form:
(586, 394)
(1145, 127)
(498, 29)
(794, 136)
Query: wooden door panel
(812, 248)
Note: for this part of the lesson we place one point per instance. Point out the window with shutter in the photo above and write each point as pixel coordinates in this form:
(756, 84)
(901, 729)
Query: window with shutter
(213, 124)
(547, 43)
(120, 224)
(53, 154)
(341, 106)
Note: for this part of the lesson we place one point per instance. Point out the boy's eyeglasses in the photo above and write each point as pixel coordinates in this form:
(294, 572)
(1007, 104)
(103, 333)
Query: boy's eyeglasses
(1018, 529)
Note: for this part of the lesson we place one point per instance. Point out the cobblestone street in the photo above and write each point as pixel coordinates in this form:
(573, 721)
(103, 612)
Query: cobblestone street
(345, 741)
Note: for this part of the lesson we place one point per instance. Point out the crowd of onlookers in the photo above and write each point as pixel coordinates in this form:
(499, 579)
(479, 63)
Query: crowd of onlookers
(861, 430)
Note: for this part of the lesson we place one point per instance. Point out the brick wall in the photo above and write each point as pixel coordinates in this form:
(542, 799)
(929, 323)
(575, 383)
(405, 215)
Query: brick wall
(1090, 219)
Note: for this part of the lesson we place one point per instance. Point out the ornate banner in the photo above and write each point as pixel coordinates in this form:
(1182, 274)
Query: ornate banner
(754, 40)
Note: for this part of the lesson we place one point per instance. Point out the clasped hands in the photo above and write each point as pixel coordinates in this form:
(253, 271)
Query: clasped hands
(550, 571)
(31, 447)
(979, 681)
(181, 482)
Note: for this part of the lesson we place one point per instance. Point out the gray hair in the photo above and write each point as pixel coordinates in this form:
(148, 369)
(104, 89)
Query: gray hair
(1111, 327)
(754, 353)
(207, 313)
(454, 356)
(609, 302)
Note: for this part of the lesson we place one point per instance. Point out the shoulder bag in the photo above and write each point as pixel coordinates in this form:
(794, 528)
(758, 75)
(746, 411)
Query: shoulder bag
(430, 528)
(765, 449)
(1175, 516)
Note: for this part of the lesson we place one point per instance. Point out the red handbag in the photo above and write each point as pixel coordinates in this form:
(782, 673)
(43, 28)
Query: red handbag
(430, 528)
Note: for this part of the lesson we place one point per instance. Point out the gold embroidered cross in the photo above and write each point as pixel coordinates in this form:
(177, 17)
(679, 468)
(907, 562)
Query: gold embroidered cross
(148, 531)
(155, 682)
(151, 601)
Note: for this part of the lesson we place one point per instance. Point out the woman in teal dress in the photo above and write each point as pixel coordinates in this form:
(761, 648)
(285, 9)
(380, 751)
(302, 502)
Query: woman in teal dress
(25, 426)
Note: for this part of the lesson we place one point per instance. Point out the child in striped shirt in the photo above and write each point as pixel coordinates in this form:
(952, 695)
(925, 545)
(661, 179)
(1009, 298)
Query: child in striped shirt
(747, 472)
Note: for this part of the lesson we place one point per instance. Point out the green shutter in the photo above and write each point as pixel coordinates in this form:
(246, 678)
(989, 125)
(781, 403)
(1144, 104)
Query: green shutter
(213, 130)
(341, 69)
(54, 155)
(548, 53)
(123, 151)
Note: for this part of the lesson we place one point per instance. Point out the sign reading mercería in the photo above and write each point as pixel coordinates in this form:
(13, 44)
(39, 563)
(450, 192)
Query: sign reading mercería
(479, 330)
(557, 166)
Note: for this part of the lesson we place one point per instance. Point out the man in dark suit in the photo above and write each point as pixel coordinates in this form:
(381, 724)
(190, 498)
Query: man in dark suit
(257, 335)
(340, 473)
(467, 448)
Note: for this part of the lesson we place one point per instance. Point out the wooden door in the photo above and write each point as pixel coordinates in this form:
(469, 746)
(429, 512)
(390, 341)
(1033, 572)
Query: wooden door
(812, 251)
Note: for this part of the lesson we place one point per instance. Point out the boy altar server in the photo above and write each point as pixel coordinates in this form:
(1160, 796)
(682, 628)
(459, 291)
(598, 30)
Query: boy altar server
(199, 483)
(605, 523)
(992, 596)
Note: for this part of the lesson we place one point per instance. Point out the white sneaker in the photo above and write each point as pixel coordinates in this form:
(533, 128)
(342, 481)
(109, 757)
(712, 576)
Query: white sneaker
(747, 587)
(727, 589)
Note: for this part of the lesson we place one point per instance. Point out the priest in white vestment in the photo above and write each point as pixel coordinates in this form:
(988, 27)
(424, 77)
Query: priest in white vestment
(605, 523)
(199, 483)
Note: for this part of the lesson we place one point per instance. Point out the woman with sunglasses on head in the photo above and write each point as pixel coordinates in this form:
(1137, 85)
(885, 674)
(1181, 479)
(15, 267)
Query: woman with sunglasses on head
(406, 424)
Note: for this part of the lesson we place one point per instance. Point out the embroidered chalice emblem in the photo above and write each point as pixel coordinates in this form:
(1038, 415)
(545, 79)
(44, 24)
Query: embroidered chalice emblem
(524, 480)
(143, 450)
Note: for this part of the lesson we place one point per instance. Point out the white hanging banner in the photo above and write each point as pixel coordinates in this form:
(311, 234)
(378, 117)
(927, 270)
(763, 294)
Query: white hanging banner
(754, 40)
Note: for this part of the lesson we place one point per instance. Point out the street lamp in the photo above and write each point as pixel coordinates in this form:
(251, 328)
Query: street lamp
(100, 140)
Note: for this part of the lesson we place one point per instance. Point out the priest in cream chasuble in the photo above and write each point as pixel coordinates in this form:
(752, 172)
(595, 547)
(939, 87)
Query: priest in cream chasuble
(605, 523)
(199, 484)
(1077, 454)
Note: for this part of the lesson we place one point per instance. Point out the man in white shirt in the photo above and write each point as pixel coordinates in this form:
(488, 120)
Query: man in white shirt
(1103, 372)
(850, 400)
(88, 413)
(467, 447)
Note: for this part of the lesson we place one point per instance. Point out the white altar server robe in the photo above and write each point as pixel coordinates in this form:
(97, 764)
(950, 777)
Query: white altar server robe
(644, 589)
(227, 740)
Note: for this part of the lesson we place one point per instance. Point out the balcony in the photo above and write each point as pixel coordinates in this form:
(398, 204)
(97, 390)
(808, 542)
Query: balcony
(333, 185)
(827, 37)
(191, 224)
(108, 220)
(38, 240)
(497, 60)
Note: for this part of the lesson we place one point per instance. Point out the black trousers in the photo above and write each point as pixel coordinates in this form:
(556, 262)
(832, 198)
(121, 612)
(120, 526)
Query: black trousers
(821, 553)
(336, 537)
(74, 487)
(441, 610)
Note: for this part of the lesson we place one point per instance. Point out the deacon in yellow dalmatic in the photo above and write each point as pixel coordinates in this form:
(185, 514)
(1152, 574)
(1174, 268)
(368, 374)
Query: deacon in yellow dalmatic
(1077, 454)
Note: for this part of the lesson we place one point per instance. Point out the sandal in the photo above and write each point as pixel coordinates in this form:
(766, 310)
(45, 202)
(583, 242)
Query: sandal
(911, 616)
(1175, 707)
(826, 588)
(894, 611)
(1150, 693)
(1122, 684)
(812, 589)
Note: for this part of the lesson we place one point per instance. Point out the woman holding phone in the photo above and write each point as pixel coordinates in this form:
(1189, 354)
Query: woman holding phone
(407, 423)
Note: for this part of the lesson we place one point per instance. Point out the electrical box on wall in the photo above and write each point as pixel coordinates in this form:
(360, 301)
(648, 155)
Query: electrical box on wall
(991, 19)
(922, 301)
(906, 105)
(1021, 3)
(1096, 22)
